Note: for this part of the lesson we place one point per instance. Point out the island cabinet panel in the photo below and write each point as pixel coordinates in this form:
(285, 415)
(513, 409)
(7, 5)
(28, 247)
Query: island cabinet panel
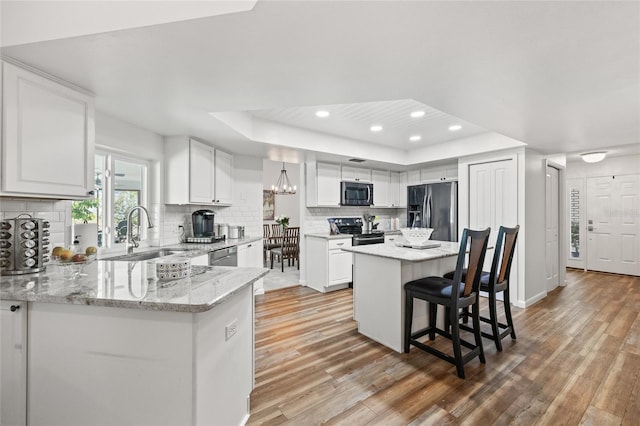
(94, 365)
(48, 137)
(13, 362)
(250, 255)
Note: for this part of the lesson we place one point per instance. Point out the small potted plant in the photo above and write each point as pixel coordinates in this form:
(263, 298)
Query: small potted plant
(283, 221)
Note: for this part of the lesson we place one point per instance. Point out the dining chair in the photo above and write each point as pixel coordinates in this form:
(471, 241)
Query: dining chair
(497, 281)
(289, 248)
(453, 294)
(266, 233)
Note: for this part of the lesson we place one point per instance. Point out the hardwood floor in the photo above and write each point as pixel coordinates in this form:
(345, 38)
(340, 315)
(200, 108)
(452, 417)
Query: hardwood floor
(576, 360)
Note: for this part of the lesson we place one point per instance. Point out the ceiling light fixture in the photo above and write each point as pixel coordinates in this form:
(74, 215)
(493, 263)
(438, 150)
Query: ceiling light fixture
(283, 186)
(593, 157)
(417, 114)
(376, 128)
(455, 127)
(415, 138)
(322, 114)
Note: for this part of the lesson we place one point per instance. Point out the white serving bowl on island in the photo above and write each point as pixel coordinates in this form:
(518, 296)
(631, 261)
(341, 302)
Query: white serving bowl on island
(417, 236)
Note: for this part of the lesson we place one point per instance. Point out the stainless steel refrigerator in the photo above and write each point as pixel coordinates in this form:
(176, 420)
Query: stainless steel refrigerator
(434, 205)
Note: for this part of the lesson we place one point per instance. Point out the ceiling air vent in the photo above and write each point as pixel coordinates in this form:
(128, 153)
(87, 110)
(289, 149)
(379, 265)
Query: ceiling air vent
(357, 160)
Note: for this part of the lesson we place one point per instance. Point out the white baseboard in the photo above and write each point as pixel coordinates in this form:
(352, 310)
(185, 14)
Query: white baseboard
(530, 301)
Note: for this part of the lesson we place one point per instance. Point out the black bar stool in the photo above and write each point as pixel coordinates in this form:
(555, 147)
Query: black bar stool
(494, 282)
(454, 294)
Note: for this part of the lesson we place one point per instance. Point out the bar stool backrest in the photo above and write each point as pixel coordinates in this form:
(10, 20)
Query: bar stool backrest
(503, 255)
(477, 251)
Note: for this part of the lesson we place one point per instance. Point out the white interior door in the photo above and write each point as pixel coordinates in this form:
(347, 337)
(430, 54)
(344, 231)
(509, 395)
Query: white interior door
(552, 213)
(613, 224)
(493, 199)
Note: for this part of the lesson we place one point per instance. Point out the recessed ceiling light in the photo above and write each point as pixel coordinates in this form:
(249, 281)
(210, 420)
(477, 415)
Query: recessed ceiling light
(593, 157)
(322, 113)
(417, 114)
(415, 138)
(455, 127)
(376, 128)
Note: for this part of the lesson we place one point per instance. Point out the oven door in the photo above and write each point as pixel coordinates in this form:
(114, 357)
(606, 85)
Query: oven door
(356, 194)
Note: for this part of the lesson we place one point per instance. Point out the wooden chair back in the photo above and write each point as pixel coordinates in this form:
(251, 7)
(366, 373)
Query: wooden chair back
(503, 254)
(477, 242)
(291, 242)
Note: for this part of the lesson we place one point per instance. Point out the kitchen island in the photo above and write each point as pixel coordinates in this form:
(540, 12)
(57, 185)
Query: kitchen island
(380, 272)
(115, 345)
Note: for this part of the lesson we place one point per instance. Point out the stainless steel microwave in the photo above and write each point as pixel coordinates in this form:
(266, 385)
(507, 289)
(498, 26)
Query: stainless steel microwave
(356, 194)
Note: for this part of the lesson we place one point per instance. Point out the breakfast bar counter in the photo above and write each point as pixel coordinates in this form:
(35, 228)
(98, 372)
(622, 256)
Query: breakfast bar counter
(112, 344)
(379, 274)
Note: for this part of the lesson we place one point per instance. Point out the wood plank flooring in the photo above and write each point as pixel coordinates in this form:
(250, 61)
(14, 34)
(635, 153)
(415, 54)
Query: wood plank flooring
(576, 361)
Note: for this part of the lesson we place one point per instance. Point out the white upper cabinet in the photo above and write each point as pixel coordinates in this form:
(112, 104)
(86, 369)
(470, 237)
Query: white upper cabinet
(413, 177)
(48, 137)
(196, 173)
(397, 189)
(223, 177)
(201, 176)
(439, 174)
(323, 184)
(381, 182)
(356, 174)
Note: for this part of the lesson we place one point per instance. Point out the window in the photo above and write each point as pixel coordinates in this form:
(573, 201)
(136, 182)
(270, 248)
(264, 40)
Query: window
(121, 183)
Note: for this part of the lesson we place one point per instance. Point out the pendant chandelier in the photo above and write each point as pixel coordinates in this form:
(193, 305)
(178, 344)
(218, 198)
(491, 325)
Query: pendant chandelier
(283, 186)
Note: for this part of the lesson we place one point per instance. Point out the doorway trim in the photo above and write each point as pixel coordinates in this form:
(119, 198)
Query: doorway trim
(563, 212)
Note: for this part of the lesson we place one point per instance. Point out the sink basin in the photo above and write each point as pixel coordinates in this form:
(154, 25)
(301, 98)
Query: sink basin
(146, 255)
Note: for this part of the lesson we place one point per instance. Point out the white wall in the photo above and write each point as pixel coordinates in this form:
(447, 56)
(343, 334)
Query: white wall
(287, 205)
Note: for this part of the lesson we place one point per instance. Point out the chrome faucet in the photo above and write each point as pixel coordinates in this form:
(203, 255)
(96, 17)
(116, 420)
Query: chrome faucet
(131, 241)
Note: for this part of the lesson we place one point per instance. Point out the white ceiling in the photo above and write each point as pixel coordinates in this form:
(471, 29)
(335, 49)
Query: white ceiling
(560, 76)
(353, 121)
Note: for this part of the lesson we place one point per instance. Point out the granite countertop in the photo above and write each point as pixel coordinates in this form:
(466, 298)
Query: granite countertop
(392, 251)
(205, 248)
(328, 236)
(134, 284)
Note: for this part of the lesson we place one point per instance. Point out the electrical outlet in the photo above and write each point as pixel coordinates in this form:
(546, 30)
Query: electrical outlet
(230, 330)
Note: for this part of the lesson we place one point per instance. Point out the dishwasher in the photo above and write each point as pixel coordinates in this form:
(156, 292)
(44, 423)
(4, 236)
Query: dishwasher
(224, 257)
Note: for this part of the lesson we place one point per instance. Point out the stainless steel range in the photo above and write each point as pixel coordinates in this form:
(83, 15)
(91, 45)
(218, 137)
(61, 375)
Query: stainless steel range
(353, 225)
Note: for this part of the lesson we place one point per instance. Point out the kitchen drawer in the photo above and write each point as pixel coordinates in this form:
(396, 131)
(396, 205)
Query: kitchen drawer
(340, 243)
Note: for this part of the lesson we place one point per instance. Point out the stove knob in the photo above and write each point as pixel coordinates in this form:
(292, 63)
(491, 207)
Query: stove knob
(5, 235)
(5, 244)
(45, 224)
(28, 263)
(5, 225)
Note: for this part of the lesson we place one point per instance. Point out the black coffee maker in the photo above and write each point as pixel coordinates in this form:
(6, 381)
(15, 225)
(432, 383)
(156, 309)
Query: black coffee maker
(202, 223)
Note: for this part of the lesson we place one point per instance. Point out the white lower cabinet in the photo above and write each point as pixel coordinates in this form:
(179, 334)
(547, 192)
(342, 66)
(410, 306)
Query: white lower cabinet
(13, 362)
(250, 255)
(328, 267)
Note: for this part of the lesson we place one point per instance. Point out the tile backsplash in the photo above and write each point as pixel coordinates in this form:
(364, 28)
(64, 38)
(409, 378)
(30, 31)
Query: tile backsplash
(57, 212)
(315, 220)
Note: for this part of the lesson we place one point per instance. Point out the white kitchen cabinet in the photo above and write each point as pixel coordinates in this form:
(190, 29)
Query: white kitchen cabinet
(48, 139)
(413, 177)
(323, 184)
(439, 174)
(330, 268)
(381, 181)
(397, 189)
(223, 177)
(202, 260)
(250, 255)
(392, 238)
(192, 175)
(356, 174)
(13, 362)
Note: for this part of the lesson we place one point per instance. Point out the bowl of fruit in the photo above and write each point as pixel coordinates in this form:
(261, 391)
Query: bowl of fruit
(73, 262)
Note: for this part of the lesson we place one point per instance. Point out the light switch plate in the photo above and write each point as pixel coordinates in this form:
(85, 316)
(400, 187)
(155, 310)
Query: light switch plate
(230, 330)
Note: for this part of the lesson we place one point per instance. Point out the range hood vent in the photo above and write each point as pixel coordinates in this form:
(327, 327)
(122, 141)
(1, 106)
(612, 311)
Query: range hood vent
(357, 160)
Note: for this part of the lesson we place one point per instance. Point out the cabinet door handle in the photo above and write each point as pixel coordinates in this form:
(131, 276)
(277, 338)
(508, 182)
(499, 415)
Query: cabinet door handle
(14, 308)
(91, 193)
(339, 244)
(250, 245)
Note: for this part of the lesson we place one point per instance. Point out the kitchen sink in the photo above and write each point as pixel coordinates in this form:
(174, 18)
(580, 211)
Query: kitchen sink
(146, 255)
